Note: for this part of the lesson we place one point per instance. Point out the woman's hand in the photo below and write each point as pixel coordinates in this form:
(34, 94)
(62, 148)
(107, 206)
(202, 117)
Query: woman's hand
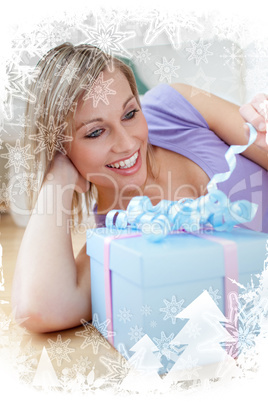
(63, 167)
(256, 113)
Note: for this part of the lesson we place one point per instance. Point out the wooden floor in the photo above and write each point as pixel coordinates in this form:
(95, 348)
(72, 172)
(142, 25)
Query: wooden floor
(66, 349)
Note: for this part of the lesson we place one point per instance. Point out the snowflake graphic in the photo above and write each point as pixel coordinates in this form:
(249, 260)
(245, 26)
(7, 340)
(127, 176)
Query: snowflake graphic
(67, 73)
(153, 324)
(92, 336)
(199, 51)
(37, 165)
(192, 329)
(17, 156)
(23, 121)
(15, 86)
(163, 344)
(146, 310)
(143, 55)
(59, 350)
(244, 324)
(166, 69)
(118, 368)
(136, 333)
(200, 82)
(50, 138)
(66, 104)
(172, 309)
(26, 183)
(40, 111)
(99, 90)
(233, 57)
(170, 23)
(214, 294)
(107, 38)
(124, 315)
(6, 195)
(82, 365)
(45, 85)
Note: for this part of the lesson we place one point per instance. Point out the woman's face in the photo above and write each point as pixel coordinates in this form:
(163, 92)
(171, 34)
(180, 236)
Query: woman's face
(110, 144)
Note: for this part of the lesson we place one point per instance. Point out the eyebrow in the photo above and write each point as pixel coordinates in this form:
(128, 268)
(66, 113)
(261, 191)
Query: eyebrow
(100, 118)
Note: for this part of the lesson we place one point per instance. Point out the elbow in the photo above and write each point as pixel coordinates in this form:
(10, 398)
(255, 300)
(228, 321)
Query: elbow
(31, 320)
(32, 316)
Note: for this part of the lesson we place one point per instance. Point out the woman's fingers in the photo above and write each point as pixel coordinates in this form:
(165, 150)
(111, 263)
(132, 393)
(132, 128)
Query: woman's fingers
(256, 112)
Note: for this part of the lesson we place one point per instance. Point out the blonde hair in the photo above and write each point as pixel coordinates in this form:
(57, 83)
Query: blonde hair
(60, 78)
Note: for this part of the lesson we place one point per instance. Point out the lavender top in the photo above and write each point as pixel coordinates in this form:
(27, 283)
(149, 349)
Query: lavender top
(174, 124)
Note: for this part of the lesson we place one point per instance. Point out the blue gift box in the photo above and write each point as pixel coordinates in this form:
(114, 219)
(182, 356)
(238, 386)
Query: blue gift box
(150, 283)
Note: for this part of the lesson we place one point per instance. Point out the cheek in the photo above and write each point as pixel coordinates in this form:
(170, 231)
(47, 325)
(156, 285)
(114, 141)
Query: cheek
(84, 159)
(143, 129)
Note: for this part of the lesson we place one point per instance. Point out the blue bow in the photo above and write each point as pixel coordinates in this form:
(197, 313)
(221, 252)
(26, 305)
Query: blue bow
(213, 209)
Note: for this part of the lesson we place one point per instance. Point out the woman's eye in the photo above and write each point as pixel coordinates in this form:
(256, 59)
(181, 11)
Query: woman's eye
(94, 134)
(131, 114)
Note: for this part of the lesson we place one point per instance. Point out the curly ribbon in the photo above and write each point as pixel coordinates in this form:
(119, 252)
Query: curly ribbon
(213, 209)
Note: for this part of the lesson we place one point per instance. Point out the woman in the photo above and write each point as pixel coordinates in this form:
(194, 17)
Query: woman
(98, 144)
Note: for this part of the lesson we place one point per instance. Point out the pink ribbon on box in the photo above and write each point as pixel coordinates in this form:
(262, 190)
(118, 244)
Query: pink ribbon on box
(230, 286)
(108, 282)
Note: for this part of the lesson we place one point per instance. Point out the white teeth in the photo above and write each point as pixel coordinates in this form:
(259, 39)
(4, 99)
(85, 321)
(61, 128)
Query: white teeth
(127, 163)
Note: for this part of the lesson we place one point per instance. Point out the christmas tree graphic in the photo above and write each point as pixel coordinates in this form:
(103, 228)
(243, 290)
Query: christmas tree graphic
(144, 366)
(45, 376)
(203, 357)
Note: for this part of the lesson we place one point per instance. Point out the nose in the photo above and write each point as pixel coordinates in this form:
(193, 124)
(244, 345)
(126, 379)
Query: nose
(122, 140)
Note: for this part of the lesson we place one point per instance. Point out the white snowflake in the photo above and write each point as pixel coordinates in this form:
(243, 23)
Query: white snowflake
(163, 344)
(214, 294)
(23, 121)
(117, 367)
(50, 138)
(146, 310)
(143, 55)
(59, 350)
(99, 90)
(26, 183)
(199, 51)
(37, 165)
(92, 336)
(200, 82)
(166, 69)
(15, 86)
(136, 333)
(40, 111)
(172, 309)
(6, 196)
(82, 365)
(124, 315)
(67, 73)
(66, 104)
(170, 23)
(193, 329)
(17, 156)
(153, 324)
(233, 57)
(107, 38)
(45, 85)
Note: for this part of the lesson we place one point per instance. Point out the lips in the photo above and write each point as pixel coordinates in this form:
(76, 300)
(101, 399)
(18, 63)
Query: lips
(125, 163)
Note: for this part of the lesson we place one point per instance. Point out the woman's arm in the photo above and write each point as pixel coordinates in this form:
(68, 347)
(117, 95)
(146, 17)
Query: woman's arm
(50, 287)
(225, 120)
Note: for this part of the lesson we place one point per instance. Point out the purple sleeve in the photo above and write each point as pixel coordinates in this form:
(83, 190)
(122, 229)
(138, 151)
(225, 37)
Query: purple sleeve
(174, 124)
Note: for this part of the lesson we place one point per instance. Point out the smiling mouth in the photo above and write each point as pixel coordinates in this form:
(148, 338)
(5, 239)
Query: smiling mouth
(126, 163)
